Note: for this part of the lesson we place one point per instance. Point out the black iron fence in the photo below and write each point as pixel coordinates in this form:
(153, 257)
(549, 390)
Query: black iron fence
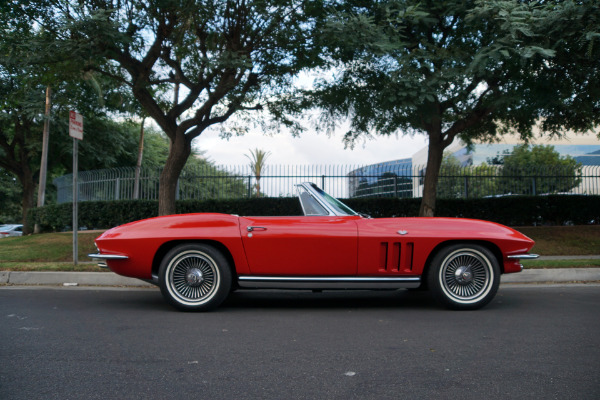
(343, 181)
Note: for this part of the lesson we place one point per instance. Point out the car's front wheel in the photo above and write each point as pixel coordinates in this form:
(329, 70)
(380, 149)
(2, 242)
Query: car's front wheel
(464, 276)
(195, 277)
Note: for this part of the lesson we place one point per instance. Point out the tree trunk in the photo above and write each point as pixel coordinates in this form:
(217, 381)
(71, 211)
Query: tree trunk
(138, 165)
(435, 154)
(179, 152)
(28, 199)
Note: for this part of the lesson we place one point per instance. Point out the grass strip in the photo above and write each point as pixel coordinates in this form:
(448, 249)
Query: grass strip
(51, 266)
(564, 240)
(47, 247)
(541, 264)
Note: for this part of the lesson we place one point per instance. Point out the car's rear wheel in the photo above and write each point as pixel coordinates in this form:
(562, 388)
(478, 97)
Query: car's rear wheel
(195, 277)
(464, 276)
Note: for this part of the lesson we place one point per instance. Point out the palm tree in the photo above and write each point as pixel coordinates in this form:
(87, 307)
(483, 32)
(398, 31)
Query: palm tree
(257, 159)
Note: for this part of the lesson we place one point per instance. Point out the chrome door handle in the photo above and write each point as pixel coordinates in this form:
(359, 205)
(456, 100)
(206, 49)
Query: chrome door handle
(255, 228)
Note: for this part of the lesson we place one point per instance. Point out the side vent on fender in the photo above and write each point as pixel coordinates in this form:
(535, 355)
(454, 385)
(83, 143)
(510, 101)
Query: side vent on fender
(383, 255)
(397, 252)
(390, 256)
(408, 261)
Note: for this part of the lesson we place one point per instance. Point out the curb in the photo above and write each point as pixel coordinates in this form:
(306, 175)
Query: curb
(557, 275)
(69, 279)
(553, 275)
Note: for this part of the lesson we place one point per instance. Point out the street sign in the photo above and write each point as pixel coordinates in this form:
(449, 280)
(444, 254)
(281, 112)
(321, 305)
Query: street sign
(75, 125)
(76, 132)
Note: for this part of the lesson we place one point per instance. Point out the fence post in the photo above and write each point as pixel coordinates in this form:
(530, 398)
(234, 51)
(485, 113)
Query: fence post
(395, 185)
(117, 188)
(466, 187)
(249, 186)
(533, 186)
(323, 182)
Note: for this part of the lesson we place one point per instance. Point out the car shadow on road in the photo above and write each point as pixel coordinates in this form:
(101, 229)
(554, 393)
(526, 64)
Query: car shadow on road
(357, 299)
(249, 300)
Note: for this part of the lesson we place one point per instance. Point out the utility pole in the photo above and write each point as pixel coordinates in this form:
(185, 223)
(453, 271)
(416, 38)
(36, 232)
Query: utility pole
(44, 162)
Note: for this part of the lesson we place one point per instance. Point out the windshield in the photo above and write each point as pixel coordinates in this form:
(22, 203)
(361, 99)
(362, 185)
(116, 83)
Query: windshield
(337, 205)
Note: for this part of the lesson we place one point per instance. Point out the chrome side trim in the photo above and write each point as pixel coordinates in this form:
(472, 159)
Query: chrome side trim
(108, 256)
(319, 282)
(523, 257)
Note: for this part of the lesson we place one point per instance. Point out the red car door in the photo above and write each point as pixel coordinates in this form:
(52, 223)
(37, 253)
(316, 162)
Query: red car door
(301, 246)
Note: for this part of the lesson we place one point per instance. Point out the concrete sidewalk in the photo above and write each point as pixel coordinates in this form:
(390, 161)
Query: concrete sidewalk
(68, 279)
(557, 275)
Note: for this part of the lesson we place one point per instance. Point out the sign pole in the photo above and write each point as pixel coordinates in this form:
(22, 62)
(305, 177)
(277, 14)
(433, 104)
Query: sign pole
(75, 200)
(76, 132)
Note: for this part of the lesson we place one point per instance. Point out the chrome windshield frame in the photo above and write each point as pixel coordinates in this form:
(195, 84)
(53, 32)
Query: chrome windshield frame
(315, 193)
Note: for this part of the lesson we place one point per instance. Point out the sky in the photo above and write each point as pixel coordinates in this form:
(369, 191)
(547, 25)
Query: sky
(309, 149)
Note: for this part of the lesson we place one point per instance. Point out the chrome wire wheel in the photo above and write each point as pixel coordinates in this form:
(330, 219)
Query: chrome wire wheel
(192, 277)
(466, 275)
(195, 277)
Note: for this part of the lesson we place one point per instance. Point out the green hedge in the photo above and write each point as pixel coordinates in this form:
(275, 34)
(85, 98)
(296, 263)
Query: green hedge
(511, 210)
(106, 214)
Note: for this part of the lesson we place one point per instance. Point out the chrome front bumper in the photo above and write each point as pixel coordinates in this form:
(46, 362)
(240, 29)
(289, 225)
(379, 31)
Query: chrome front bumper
(523, 257)
(102, 264)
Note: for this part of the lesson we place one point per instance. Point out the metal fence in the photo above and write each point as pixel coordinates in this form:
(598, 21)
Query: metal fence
(342, 181)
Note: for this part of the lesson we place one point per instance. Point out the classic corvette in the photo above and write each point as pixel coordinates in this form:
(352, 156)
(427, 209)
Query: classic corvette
(198, 259)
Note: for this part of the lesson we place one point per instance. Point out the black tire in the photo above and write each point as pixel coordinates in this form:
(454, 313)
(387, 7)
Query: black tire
(195, 277)
(464, 276)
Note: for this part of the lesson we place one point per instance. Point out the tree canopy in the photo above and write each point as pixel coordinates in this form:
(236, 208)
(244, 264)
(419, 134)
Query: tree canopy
(468, 69)
(559, 174)
(524, 170)
(191, 64)
(28, 65)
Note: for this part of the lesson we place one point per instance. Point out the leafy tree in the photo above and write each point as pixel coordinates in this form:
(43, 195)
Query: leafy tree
(468, 69)
(10, 196)
(456, 181)
(224, 58)
(483, 181)
(200, 175)
(538, 169)
(258, 160)
(29, 62)
(450, 184)
(107, 143)
(206, 181)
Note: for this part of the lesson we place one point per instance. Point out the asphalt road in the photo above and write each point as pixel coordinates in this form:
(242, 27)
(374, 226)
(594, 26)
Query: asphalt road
(532, 341)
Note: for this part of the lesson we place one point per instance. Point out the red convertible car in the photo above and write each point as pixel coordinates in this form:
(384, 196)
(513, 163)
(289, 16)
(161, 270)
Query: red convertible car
(198, 259)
